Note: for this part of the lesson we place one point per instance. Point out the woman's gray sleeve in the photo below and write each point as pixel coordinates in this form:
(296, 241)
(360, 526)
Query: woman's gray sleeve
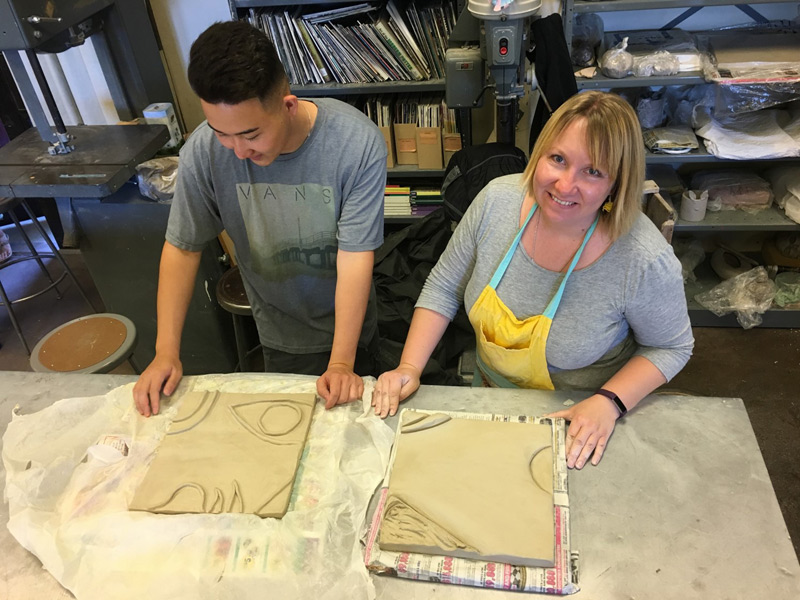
(658, 315)
(443, 291)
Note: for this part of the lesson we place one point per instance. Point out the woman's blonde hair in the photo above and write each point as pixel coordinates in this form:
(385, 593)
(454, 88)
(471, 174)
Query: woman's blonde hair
(615, 147)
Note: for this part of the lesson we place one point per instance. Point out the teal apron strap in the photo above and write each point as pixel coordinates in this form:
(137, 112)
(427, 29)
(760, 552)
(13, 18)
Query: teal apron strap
(490, 374)
(501, 269)
(550, 311)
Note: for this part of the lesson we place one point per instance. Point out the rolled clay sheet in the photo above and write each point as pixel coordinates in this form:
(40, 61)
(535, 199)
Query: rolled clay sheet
(473, 489)
(228, 453)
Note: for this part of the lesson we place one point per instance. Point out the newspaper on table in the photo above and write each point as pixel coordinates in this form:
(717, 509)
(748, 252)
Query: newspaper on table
(561, 578)
(73, 467)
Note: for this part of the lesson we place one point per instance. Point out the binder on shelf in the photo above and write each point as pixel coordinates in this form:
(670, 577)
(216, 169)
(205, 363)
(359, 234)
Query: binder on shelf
(451, 138)
(429, 147)
(389, 138)
(451, 143)
(405, 137)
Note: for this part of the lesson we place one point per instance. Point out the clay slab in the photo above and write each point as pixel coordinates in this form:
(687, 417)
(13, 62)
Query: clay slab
(473, 489)
(232, 453)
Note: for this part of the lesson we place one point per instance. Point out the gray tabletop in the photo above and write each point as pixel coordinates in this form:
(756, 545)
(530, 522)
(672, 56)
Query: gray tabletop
(680, 507)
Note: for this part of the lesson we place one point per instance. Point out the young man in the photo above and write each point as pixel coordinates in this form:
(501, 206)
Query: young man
(298, 185)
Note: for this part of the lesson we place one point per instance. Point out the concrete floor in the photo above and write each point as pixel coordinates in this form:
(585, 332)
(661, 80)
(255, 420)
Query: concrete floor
(761, 366)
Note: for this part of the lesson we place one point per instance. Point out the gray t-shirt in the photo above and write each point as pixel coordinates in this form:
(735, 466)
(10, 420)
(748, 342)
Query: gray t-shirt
(629, 301)
(288, 219)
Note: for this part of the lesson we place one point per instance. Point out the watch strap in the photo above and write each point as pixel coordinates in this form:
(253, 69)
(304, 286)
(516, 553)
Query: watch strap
(615, 399)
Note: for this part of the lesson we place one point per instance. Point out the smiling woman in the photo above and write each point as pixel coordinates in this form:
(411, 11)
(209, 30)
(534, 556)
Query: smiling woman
(566, 283)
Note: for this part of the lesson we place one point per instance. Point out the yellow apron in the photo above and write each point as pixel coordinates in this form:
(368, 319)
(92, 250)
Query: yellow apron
(510, 352)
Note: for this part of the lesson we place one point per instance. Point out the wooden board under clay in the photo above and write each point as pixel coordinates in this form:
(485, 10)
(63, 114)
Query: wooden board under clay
(473, 489)
(228, 453)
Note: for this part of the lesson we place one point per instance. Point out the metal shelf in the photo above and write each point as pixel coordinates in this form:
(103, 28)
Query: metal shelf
(702, 317)
(601, 82)
(581, 6)
(234, 4)
(402, 219)
(413, 172)
(387, 87)
(770, 219)
(702, 156)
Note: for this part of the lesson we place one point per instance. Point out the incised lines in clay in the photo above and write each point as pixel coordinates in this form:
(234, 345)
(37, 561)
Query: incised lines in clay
(228, 453)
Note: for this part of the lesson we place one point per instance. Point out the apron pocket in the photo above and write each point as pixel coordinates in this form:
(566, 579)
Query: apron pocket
(512, 363)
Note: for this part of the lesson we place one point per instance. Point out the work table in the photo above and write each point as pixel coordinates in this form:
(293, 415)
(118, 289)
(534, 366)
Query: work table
(681, 506)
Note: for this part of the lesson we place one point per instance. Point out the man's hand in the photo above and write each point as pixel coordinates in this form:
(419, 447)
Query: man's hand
(393, 387)
(592, 422)
(161, 375)
(339, 385)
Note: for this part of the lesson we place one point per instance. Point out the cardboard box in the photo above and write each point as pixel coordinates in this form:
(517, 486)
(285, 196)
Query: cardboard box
(405, 140)
(429, 147)
(387, 135)
(451, 143)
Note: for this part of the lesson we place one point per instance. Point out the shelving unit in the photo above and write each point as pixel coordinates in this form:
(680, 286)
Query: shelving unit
(768, 221)
(240, 8)
(601, 82)
(390, 87)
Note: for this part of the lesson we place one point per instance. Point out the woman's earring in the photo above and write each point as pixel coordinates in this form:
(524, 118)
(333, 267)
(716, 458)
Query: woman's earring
(608, 205)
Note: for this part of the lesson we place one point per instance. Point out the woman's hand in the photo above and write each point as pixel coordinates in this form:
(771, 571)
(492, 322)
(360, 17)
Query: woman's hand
(393, 387)
(592, 422)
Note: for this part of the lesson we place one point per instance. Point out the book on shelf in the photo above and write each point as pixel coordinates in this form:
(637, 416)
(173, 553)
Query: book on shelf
(316, 58)
(333, 14)
(395, 47)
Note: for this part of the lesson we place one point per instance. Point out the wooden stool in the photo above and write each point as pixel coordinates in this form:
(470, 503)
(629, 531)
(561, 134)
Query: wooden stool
(94, 344)
(232, 296)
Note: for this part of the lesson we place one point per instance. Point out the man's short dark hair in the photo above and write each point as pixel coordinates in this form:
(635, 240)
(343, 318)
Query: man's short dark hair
(233, 61)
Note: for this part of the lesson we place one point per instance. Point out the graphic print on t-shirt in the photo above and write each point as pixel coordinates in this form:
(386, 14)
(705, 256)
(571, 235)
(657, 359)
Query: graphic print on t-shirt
(291, 228)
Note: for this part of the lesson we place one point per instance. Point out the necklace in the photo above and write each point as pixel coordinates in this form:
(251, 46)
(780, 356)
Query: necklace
(538, 219)
(308, 119)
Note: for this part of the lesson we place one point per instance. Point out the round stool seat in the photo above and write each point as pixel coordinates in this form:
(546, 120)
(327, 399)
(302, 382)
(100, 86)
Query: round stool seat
(231, 294)
(92, 344)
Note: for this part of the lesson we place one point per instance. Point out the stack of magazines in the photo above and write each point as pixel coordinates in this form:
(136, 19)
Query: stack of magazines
(367, 42)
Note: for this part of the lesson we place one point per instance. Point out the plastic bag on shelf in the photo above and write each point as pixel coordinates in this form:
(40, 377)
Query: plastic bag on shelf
(785, 183)
(788, 289)
(587, 33)
(733, 189)
(733, 98)
(684, 102)
(617, 63)
(690, 253)
(680, 44)
(5, 246)
(157, 178)
(749, 295)
(755, 67)
(650, 109)
(655, 64)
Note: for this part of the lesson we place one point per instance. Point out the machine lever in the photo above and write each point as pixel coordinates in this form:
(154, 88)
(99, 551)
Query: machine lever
(38, 19)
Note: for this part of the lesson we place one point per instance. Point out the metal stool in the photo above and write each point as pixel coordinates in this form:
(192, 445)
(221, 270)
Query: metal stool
(7, 206)
(94, 344)
(232, 297)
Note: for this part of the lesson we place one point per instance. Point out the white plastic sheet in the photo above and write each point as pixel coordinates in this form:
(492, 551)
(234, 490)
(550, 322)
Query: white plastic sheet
(68, 505)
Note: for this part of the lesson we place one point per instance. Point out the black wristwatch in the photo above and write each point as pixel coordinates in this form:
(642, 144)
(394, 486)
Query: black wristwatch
(615, 399)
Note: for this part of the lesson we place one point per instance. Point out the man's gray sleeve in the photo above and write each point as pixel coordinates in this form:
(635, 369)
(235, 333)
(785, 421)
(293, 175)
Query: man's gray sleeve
(360, 225)
(193, 217)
